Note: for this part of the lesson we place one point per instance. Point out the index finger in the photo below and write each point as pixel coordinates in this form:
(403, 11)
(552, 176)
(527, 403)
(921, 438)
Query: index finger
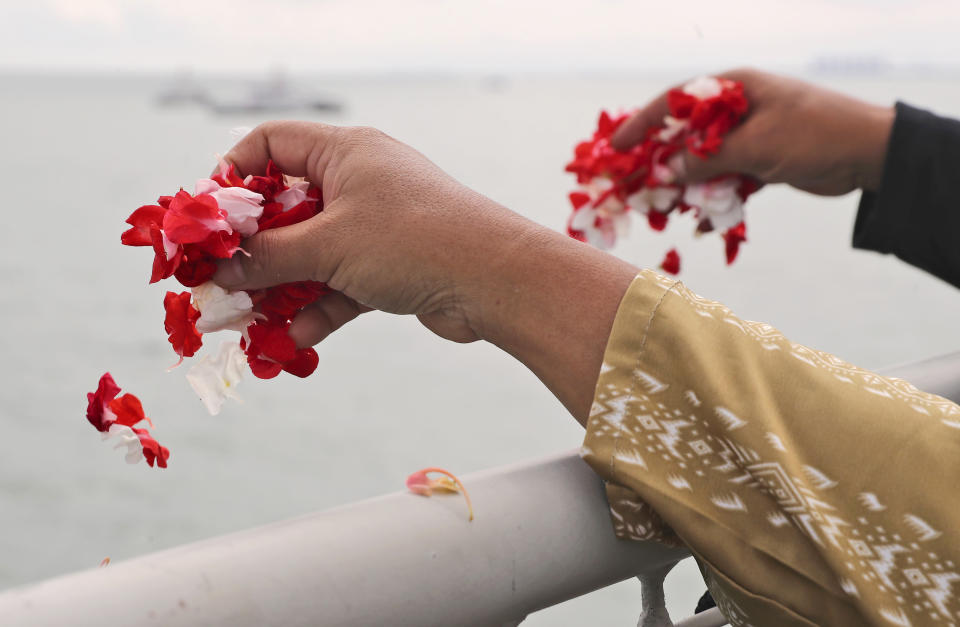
(634, 130)
(298, 148)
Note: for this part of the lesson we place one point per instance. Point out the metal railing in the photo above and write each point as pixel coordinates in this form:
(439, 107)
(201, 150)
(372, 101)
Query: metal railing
(542, 536)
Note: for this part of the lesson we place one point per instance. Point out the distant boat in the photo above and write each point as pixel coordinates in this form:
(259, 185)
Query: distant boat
(274, 94)
(850, 65)
(184, 90)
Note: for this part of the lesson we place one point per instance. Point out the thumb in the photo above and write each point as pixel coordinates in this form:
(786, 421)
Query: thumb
(291, 253)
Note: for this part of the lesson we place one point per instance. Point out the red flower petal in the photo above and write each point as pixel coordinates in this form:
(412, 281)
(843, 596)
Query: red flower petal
(196, 268)
(732, 239)
(271, 341)
(162, 267)
(303, 364)
(232, 179)
(152, 451)
(579, 199)
(192, 219)
(282, 302)
(657, 220)
(681, 103)
(107, 389)
(142, 220)
(263, 369)
(303, 211)
(268, 185)
(671, 262)
(128, 409)
(219, 244)
(180, 324)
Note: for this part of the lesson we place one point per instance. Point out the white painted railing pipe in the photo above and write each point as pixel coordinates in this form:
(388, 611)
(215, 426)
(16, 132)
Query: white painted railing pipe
(542, 536)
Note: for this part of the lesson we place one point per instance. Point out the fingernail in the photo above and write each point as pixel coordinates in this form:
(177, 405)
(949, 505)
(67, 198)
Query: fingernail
(229, 273)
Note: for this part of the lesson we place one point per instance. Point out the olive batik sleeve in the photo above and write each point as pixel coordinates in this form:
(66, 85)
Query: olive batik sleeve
(810, 491)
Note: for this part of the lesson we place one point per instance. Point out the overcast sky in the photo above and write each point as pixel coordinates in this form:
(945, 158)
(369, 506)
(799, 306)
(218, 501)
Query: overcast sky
(484, 35)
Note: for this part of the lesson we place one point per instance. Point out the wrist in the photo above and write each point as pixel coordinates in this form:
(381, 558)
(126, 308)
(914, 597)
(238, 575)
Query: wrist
(872, 143)
(550, 301)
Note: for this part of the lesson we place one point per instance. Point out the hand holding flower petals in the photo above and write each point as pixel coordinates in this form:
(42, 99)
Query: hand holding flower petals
(644, 177)
(188, 233)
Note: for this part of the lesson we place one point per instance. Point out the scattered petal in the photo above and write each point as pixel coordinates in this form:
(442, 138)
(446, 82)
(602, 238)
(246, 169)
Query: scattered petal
(671, 262)
(420, 483)
(215, 379)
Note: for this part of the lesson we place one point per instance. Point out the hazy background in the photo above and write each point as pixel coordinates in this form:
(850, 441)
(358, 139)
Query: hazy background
(497, 93)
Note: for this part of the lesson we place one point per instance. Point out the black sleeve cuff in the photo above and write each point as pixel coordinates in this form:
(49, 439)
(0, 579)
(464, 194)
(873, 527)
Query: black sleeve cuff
(915, 215)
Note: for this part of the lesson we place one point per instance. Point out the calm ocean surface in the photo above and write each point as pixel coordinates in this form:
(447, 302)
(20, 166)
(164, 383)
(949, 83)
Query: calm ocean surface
(389, 397)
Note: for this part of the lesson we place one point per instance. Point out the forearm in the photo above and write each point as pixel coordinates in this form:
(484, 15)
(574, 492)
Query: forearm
(550, 301)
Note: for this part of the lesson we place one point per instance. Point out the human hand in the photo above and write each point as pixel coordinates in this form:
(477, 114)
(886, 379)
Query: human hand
(399, 235)
(812, 138)
(396, 233)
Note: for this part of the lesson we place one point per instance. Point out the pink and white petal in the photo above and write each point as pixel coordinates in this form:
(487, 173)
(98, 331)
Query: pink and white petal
(242, 207)
(169, 248)
(295, 194)
(205, 186)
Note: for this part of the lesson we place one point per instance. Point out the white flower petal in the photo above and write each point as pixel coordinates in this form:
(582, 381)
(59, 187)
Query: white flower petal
(216, 378)
(717, 201)
(128, 439)
(703, 87)
(221, 309)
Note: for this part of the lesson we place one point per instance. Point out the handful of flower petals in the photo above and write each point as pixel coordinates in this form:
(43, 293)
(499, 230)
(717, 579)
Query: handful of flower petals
(188, 233)
(646, 178)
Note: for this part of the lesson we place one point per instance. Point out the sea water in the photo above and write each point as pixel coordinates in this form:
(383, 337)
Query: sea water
(81, 152)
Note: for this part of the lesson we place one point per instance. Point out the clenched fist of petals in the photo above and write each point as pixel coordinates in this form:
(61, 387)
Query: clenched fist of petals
(646, 178)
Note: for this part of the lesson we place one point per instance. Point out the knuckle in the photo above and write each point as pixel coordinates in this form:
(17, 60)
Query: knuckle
(743, 73)
(364, 135)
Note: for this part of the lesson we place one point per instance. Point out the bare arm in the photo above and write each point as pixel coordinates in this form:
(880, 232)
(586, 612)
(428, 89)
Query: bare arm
(399, 235)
